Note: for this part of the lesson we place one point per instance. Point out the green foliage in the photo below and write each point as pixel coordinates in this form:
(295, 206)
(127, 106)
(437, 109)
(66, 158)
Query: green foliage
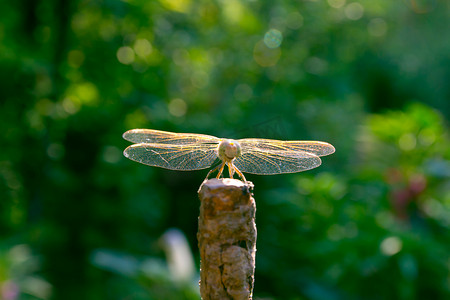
(370, 77)
(382, 229)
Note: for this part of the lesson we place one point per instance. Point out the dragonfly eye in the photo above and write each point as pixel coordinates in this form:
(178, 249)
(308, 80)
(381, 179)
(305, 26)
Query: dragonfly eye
(228, 150)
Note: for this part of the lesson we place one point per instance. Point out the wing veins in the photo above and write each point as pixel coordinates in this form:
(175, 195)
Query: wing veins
(150, 136)
(273, 162)
(174, 157)
(315, 147)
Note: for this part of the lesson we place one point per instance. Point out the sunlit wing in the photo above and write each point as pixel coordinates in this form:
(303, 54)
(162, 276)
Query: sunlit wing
(314, 147)
(173, 157)
(269, 162)
(164, 137)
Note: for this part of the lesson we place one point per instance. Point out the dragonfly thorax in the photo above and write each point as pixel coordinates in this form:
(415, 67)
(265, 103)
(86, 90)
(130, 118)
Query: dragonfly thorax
(229, 150)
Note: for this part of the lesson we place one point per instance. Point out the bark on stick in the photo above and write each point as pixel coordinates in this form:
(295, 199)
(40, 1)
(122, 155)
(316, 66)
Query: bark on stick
(226, 239)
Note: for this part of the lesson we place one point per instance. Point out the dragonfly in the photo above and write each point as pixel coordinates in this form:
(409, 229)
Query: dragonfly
(190, 151)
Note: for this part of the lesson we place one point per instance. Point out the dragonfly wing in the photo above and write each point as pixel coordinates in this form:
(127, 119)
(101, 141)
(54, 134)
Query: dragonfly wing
(269, 162)
(173, 157)
(314, 147)
(151, 136)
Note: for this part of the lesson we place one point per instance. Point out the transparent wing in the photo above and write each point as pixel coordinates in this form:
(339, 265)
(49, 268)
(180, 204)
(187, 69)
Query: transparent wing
(164, 137)
(269, 162)
(288, 147)
(265, 157)
(173, 157)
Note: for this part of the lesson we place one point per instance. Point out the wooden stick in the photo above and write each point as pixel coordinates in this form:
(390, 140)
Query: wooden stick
(227, 239)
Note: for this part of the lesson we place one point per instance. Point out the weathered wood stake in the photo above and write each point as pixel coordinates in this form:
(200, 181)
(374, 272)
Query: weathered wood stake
(227, 239)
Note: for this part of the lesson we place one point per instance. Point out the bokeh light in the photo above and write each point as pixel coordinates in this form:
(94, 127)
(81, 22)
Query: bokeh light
(125, 55)
(294, 20)
(75, 58)
(273, 38)
(142, 47)
(377, 27)
(266, 56)
(391, 245)
(178, 107)
(336, 3)
(354, 11)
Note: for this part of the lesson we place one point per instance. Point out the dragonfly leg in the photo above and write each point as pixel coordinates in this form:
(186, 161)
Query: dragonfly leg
(213, 170)
(220, 170)
(230, 169)
(239, 172)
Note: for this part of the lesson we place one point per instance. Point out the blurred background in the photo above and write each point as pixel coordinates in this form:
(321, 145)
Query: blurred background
(80, 221)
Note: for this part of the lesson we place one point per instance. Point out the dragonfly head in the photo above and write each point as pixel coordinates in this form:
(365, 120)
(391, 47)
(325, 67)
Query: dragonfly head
(229, 149)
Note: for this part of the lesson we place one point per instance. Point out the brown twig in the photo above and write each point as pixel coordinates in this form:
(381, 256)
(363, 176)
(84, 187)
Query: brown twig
(227, 239)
